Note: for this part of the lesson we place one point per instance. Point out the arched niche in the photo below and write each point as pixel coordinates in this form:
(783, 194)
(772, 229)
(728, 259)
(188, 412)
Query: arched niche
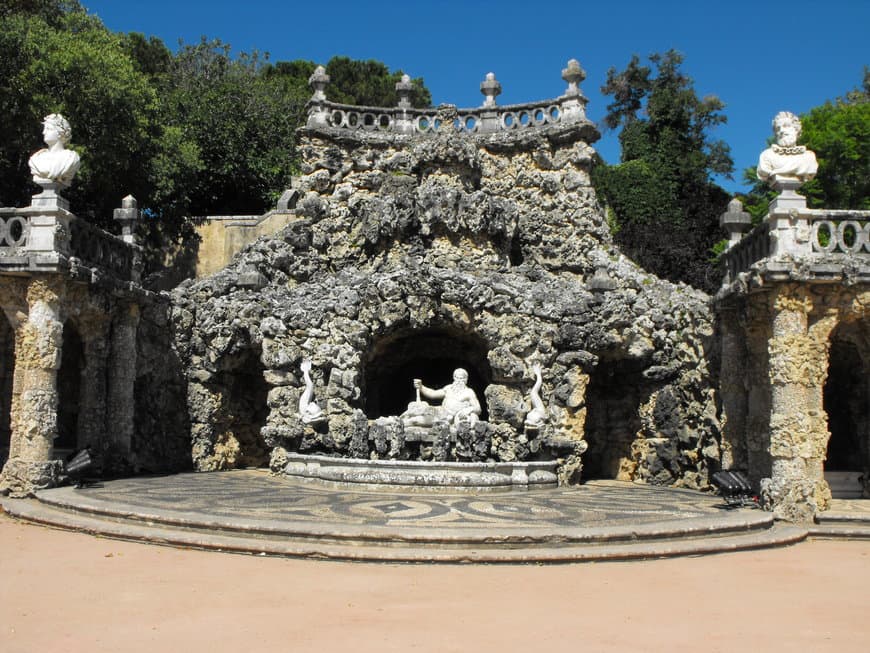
(69, 383)
(244, 408)
(430, 354)
(614, 395)
(7, 373)
(847, 400)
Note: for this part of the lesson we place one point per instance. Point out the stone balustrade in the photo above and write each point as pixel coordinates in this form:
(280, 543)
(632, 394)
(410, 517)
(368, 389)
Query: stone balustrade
(815, 236)
(40, 239)
(14, 230)
(750, 249)
(96, 248)
(846, 232)
(487, 119)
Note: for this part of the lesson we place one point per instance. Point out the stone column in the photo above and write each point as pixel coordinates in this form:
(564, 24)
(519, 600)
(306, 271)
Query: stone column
(797, 368)
(34, 395)
(757, 427)
(733, 390)
(122, 378)
(91, 425)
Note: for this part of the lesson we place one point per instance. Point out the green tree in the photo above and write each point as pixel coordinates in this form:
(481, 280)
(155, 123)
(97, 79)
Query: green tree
(57, 58)
(664, 205)
(369, 83)
(838, 132)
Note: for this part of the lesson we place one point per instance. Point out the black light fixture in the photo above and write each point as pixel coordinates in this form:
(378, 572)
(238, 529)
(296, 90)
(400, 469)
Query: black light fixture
(77, 465)
(734, 488)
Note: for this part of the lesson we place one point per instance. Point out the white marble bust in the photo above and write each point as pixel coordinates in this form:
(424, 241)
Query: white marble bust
(785, 159)
(55, 164)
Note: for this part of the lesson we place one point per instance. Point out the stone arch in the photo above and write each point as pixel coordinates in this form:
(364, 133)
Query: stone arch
(432, 354)
(243, 407)
(847, 400)
(614, 396)
(69, 387)
(7, 373)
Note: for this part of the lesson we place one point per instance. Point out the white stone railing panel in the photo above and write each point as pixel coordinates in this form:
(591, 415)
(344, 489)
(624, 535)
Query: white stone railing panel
(399, 120)
(751, 249)
(846, 232)
(14, 232)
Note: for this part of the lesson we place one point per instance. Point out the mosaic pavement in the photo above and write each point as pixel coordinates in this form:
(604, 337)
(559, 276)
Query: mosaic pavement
(255, 494)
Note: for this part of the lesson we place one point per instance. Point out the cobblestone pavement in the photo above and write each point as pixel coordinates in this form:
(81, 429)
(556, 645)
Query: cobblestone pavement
(257, 494)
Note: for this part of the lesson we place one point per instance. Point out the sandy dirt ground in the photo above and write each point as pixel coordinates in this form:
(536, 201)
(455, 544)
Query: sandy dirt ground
(62, 591)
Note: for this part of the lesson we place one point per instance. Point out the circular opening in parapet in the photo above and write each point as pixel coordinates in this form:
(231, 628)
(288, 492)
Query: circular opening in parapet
(17, 231)
(337, 118)
(470, 123)
(851, 236)
(353, 119)
(423, 124)
(509, 120)
(431, 355)
(524, 119)
(539, 116)
(384, 122)
(554, 113)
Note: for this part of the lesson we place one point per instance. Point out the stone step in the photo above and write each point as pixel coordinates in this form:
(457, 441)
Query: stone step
(485, 536)
(666, 544)
(845, 530)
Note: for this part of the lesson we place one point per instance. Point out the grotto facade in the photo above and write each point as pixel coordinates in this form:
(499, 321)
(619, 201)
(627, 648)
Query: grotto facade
(425, 241)
(412, 244)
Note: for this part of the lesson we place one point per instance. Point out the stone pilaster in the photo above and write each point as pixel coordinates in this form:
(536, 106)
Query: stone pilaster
(92, 394)
(733, 386)
(122, 378)
(757, 426)
(34, 395)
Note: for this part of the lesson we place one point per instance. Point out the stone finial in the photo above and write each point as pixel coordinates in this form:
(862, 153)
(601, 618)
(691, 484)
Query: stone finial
(128, 216)
(318, 82)
(288, 199)
(490, 87)
(573, 74)
(735, 221)
(54, 167)
(403, 91)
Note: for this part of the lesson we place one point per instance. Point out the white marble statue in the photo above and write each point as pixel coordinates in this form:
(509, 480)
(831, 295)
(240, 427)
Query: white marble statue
(55, 164)
(309, 412)
(785, 159)
(538, 414)
(458, 404)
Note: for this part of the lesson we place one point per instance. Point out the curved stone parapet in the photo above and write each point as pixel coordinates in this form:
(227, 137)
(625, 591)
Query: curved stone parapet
(404, 120)
(480, 475)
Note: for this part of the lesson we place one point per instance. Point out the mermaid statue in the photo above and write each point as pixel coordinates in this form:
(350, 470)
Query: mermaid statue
(309, 412)
(538, 414)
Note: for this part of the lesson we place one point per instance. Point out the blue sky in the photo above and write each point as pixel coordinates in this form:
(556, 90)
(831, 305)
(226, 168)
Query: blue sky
(759, 57)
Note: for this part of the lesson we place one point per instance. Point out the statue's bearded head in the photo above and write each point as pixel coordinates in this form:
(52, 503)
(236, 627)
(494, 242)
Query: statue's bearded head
(787, 128)
(460, 377)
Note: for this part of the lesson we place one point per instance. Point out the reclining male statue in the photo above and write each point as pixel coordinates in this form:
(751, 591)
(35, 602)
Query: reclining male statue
(459, 404)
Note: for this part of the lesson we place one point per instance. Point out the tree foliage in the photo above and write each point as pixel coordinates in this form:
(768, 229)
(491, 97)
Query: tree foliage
(665, 205)
(195, 132)
(838, 132)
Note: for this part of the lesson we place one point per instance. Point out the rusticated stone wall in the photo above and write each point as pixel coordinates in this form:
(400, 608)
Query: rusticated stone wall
(776, 347)
(80, 344)
(495, 246)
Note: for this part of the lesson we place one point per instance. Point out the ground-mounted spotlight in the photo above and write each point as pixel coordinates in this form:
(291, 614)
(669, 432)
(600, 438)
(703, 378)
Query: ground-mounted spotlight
(735, 489)
(78, 465)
